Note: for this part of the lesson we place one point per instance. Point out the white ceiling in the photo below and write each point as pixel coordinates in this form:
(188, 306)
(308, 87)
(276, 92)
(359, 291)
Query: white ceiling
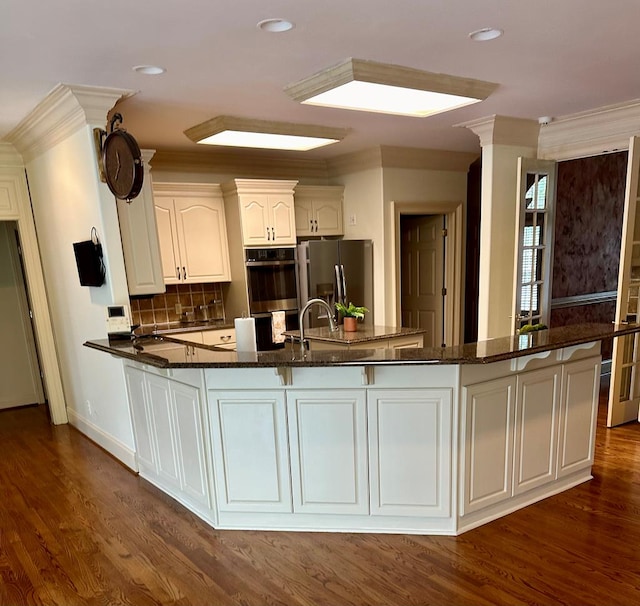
(556, 57)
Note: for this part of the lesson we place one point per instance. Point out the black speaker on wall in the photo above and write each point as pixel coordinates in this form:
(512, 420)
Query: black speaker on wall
(90, 263)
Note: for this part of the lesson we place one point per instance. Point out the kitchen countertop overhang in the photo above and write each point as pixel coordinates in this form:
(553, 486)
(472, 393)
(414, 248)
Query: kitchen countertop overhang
(494, 350)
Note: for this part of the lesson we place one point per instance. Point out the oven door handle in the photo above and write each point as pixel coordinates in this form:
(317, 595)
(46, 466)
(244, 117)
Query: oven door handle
(268, 263)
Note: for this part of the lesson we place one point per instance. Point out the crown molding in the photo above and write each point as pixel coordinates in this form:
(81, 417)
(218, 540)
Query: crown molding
(504, 130)
(66, 109)
(243, 164)
(400, 157)
(603, 130)
(193, 189)
(426, 159)
(9, 156)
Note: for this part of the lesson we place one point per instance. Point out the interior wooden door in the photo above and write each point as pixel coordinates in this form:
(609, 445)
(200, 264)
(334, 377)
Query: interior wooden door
(20, 381)
(422, 263)
(624, 390)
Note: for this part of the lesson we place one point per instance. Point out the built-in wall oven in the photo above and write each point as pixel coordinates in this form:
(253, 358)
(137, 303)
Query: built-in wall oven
(273, 287)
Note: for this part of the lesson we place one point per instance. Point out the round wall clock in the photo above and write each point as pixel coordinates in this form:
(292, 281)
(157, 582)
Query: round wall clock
(122, 163)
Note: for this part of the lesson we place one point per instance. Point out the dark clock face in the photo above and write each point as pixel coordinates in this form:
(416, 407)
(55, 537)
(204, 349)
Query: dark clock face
(122, 165)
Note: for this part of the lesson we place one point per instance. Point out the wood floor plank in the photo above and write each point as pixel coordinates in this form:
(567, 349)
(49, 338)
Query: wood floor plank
(77, 528)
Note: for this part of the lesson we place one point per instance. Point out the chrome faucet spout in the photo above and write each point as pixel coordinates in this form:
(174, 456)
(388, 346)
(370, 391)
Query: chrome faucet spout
(333, 327)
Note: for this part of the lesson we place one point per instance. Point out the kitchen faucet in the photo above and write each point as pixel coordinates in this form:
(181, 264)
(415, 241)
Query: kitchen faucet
(333, 327)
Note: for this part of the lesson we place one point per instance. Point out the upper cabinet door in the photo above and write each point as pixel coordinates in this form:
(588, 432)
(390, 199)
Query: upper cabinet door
(283, 227)
(318, 210)
(168, 240)
(255, 220)
(193, 233)
(202, 240)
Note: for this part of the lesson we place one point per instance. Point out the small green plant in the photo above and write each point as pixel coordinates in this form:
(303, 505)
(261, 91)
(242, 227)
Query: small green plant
(532, 328)
(351, 310)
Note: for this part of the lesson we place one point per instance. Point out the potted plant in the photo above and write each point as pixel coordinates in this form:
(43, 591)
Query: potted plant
(351, 314)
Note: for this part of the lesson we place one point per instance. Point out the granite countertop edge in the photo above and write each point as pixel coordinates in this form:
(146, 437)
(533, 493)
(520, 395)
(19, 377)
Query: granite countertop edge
(486, 352)
(364, 334)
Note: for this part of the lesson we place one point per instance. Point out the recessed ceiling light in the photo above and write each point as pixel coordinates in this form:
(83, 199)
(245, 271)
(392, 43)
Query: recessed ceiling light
(486, 33)
(390, 89)
(275, 26)
(149, 70)
(263, 134)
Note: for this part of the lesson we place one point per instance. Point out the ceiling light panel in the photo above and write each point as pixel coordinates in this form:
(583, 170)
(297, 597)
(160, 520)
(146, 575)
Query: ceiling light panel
(379, 87)
(263, 134)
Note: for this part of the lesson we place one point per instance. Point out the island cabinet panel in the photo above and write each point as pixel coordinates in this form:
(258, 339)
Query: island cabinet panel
(536, 428)
(164, 430)
(487, 442)
(169, 432)
(141, 417)
(410, 451)
(328, 443)
(251, 458)
(578, 415)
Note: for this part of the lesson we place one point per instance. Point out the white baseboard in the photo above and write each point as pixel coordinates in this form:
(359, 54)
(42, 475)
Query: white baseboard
(123, 453)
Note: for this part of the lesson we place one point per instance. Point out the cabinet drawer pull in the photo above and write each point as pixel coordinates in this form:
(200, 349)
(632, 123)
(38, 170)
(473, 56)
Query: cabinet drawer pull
(178, 273)
(184, 272)
(225, 338)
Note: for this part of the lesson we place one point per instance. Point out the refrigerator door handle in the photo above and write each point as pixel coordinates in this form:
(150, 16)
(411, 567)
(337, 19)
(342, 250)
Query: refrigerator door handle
(339, 283)
(344, 284)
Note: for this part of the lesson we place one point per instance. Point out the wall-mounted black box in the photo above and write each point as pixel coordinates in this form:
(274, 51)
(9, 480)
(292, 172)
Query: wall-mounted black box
(89, 262)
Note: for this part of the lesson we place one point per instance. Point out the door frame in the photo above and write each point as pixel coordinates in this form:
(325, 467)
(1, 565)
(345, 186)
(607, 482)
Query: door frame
(13, 181)
(454, 263)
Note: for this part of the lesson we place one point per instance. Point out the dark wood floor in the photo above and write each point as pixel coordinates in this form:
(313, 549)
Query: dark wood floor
(78, 528)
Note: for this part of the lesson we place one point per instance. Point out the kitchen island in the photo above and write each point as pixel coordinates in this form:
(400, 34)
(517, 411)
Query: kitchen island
(366, 337)
(418, 440)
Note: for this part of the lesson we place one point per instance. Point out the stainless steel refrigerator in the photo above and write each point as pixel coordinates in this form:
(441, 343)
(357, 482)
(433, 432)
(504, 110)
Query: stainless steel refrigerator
(335, 270)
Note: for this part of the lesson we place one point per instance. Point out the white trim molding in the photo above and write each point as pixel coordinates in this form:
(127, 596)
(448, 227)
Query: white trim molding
(62, 112)
(590, 133)
(588, 299)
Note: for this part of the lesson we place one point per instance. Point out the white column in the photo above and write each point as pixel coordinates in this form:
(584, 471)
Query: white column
(503, 141)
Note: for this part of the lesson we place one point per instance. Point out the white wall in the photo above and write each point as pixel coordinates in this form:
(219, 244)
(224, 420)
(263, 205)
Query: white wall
(68, 200)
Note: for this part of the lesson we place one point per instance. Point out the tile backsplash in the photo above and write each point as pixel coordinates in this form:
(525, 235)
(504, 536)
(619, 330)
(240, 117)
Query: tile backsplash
(161, 309)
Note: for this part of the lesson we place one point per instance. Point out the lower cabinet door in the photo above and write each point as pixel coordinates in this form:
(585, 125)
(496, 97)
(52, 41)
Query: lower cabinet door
(487, 443)
(328, 445)
(163, 429)
(578, 415)
(190, 443)
(251, 461)
(536, 429)
(141, 417)
(410, 452)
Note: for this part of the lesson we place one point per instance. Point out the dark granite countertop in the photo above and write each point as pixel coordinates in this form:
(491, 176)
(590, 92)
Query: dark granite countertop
(362, 335)
(173, 353)
(177, 327)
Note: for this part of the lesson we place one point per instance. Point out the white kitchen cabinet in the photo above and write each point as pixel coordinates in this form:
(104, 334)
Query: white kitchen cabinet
(487, 442)
(318, 210)
(192, 233)
(578, 415)
(169, 432)
(249, 435)
(536, 428)
(410, 451)
(139, 235)
(267, 214)
(328, 446)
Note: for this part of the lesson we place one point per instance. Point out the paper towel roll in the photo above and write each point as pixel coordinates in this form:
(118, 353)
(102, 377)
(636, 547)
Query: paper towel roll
(245, 334)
